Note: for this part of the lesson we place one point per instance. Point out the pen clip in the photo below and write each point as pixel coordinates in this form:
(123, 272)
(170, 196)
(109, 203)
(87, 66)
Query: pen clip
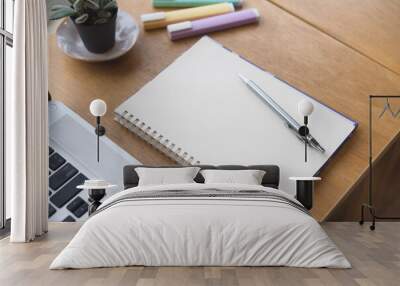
(152, 17)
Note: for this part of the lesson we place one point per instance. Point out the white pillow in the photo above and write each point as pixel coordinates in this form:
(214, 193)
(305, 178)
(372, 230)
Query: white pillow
(165, 176)
(248, 177)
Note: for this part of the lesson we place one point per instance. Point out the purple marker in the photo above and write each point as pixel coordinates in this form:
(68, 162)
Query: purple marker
(212, 24)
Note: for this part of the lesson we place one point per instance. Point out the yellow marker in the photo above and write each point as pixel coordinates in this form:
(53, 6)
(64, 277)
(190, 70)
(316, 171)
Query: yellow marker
(163, 19)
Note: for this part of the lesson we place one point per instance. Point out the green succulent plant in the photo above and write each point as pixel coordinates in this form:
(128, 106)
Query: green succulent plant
(89, 12)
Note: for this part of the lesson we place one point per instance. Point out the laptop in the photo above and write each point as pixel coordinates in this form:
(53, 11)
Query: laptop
(73, 159)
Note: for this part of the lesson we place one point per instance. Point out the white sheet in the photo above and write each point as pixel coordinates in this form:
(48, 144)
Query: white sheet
(194, 231)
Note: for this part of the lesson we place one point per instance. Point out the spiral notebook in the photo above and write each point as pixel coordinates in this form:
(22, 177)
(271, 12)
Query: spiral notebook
(198, 111)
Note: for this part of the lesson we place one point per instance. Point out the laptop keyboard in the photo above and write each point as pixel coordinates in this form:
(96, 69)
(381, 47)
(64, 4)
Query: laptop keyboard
(69, 219)
(56, 161)
(66, 193)
(61, 176)
(78, 207)
(52, 210)
(63, 180)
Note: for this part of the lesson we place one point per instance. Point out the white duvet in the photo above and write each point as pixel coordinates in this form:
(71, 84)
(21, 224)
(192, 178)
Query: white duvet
(200, 231)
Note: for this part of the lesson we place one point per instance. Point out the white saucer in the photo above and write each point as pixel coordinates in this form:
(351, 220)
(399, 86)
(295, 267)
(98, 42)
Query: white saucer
(69, 41)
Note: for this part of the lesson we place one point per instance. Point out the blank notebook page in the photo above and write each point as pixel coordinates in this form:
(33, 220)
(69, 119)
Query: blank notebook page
(202, 106)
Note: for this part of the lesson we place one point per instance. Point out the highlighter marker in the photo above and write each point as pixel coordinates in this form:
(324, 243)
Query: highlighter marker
(163, 19)
(212, 24)
(192, 3)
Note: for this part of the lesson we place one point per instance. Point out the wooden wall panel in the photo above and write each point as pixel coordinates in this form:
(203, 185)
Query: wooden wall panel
(282, 44)
(386, 189)
(371, 27)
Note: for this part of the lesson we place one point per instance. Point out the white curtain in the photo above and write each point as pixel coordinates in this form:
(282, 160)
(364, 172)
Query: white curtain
(26, 123)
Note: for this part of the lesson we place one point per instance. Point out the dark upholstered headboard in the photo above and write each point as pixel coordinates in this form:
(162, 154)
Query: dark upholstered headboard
(271, 177)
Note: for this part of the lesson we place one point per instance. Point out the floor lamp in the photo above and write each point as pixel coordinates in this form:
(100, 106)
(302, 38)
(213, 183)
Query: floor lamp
(369, 206)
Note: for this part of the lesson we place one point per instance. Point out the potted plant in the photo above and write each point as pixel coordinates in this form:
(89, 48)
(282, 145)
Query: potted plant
(95, 21)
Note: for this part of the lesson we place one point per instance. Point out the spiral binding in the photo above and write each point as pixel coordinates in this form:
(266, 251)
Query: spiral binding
(155, 139)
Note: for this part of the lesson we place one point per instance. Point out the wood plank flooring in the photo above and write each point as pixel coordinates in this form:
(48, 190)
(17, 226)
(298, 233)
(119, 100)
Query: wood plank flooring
(375, 257)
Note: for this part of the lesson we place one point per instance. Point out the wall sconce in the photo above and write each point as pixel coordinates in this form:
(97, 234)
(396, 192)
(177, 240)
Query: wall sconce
(305, 108)
(98, 108)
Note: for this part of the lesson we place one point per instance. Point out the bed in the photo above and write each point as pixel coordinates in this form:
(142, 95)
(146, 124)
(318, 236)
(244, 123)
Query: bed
(201, 224)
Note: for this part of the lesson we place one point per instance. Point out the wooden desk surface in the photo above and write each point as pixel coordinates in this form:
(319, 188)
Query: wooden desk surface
(283, 44)
(368, 26)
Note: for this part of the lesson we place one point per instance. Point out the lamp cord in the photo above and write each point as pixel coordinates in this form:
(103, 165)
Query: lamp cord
(98, 147)
(305, 148)
(305, 138)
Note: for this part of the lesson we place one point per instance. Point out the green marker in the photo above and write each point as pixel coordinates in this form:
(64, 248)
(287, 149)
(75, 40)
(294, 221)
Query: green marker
(192, 3)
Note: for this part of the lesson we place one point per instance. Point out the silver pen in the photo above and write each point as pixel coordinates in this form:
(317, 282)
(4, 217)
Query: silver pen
(291, 123)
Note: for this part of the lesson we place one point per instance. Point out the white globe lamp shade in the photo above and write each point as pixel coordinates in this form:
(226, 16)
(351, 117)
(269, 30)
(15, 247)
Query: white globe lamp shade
(98, 107)
(305, 107)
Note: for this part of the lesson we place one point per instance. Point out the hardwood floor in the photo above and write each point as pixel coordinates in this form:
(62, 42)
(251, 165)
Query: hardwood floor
(375, 257)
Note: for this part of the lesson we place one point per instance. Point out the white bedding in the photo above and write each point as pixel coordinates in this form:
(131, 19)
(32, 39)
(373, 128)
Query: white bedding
(200, 231)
